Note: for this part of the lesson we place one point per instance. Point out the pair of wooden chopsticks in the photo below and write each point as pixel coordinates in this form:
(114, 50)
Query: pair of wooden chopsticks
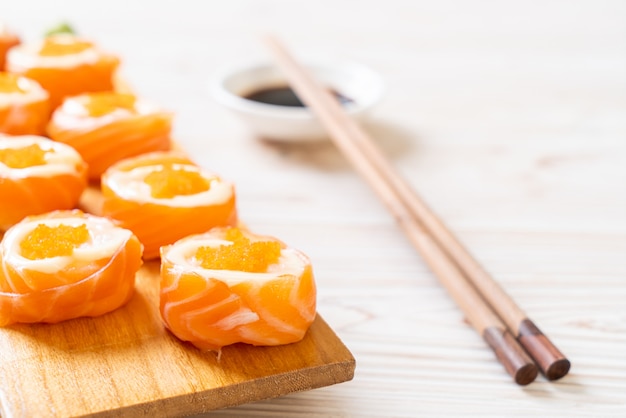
(503, 325)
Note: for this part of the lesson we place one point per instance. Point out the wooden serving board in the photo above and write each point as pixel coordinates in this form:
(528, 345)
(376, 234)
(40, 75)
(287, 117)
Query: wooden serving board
(126, 363)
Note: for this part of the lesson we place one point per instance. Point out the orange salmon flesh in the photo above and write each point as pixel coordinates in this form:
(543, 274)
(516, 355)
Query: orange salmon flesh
(82, 288)
(161, 222)
(103, 139)
(25, 193)
(213, 307)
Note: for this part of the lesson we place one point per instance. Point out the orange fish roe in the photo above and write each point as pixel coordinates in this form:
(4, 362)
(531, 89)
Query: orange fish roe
(46, 242)
(241, 255)
(63, 45)
(10, 83)
(100, 104)
(24, 157)
(171, 181)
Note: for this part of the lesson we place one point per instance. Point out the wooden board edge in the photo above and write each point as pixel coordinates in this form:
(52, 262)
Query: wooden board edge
(256, 390)
(239, 394)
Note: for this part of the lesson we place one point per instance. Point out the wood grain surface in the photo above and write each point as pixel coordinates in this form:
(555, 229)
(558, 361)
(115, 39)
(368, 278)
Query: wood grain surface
(509, 118)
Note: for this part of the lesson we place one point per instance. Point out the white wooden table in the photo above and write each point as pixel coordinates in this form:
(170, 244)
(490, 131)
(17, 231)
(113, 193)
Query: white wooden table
(508, 117)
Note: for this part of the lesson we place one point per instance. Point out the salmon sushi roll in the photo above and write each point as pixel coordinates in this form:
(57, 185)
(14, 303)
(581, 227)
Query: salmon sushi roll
(64, 265)
(8, 40)
(231, 286)
(163, 197)
(108, 127)
(37, 175)
(65, 65)
(24, 106)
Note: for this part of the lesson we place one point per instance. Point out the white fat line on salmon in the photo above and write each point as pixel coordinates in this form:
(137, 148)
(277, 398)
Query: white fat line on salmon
(251, 335)
(277, 323)
(209, 308)
(194, 297)
(306, 311)
(241, 317)
(50, 304)
(7, 277)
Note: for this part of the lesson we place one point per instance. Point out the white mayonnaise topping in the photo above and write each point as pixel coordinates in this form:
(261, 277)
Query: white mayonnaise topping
(73, 113)
(104, 240)
(130, 185)
(62, 159)
(25, 56)
(182, 255)
(32, 92)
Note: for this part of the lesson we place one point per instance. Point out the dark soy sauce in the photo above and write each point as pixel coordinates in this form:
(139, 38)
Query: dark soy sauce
(285, 96)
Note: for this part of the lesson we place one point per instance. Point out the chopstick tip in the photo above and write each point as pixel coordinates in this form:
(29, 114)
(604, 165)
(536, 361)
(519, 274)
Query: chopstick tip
(511, 355)
(526, 374)
(558, 369)
(553, 364)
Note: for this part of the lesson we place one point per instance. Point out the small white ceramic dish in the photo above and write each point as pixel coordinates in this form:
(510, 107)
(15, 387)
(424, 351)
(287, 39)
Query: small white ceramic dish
(284, 123)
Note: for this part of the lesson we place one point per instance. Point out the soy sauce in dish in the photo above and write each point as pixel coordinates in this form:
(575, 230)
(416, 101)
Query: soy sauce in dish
(285, 96)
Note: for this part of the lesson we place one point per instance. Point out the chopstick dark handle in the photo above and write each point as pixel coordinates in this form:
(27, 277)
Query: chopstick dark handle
(551, 361)
(511, 355)
(507, 349)
(553, 364)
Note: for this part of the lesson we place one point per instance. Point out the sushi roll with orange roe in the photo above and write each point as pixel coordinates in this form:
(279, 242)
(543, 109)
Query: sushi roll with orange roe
(65, 65)
(64, 265)
(37, 175)
(24, 106)
(163, 197)
(231, 286)
(108, 127)
(8, 40)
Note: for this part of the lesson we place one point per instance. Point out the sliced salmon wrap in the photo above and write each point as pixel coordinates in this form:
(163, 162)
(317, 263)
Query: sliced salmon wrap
(108, 127)
(229, 285)
(37, 175)
(65, 65)
(64, 265)
(24, 106)
(8, 39)
(163, 197)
